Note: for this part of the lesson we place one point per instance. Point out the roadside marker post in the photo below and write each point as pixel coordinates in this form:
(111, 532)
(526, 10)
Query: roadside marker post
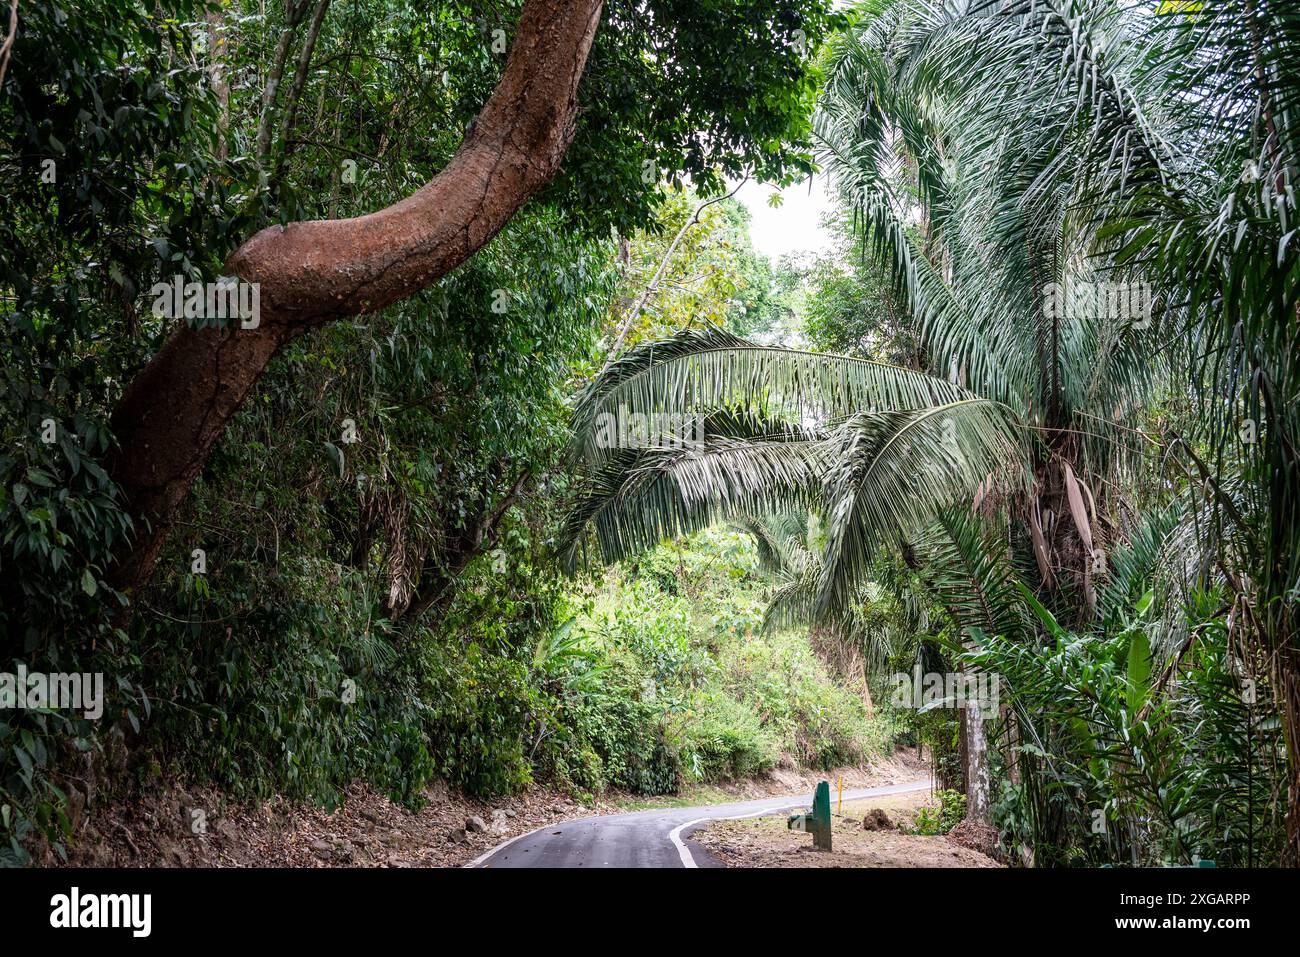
(818, 823)
(822, 816)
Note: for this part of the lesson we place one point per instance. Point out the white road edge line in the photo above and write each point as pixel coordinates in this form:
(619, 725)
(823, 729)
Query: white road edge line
(675, 835)
(504, 844)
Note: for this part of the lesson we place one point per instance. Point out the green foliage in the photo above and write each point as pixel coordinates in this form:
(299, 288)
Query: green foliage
(888, 449)
(388, 609)
(943, 818)
(984, 156)
(1139, 669)
(396, 85)
(304, 700)
(696, 690)
(730, 100)
(108, 177)
(409, 567)
(713, 278)
(481, 711)
(821, 724)
(846, 303)
(728, 739)
(1187, 774)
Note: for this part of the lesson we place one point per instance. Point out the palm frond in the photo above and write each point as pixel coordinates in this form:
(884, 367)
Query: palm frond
(970, 572)
(639, 498)
(896, 471)
(700, 371)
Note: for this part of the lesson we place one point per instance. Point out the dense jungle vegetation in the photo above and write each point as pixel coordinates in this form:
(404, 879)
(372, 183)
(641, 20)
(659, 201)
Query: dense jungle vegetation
(1034, 414)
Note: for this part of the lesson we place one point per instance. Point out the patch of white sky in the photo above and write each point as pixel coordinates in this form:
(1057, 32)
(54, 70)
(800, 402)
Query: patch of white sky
(795, 225)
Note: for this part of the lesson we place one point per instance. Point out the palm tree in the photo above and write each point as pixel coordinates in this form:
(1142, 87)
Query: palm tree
(999, 155)
(882, 448)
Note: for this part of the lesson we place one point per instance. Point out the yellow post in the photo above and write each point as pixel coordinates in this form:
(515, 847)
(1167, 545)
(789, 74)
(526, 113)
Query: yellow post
(840, 809)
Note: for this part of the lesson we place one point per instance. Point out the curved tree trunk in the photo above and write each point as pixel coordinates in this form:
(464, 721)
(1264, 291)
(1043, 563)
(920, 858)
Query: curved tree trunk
(312, 273)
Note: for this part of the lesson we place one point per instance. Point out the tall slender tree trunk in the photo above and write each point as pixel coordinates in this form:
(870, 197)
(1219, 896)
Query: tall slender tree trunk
(977, 767)
(975, 750)
(217, 72)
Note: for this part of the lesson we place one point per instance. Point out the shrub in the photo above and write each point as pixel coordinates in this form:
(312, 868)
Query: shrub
(943, 818)
(725, 740)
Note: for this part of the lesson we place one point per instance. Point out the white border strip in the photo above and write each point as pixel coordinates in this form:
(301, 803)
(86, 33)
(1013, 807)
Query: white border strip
(504, 844)
(684, 852)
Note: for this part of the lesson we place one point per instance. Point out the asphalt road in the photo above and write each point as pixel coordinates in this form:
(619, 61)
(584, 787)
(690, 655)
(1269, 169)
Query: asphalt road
(658, 838)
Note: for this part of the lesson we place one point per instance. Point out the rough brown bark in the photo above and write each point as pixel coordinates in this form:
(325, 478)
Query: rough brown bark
(312, 273)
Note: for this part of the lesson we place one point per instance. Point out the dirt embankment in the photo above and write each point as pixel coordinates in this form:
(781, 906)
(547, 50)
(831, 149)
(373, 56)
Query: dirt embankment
(766, 841)
(201, 829)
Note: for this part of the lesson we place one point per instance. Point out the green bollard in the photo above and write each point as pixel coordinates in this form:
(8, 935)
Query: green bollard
(818, 823)
(821, 815)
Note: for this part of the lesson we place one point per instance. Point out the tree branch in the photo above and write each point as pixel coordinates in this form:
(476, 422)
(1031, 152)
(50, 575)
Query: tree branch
(293, 14)
(9, 41)
(663, 265)
(313, 273)
(426, 594)
(300, 80)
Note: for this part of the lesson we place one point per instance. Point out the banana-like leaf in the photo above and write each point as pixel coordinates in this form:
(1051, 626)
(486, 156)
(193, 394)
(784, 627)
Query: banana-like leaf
(1139, 670)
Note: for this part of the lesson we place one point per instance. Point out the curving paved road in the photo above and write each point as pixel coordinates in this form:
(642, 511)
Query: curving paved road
(657, 838)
